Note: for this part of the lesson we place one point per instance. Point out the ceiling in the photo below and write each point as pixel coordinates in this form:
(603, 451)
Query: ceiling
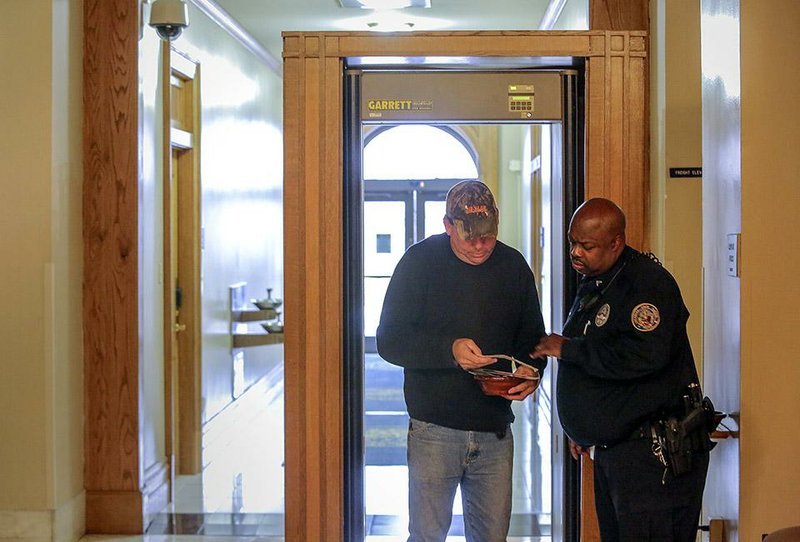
(266, 19)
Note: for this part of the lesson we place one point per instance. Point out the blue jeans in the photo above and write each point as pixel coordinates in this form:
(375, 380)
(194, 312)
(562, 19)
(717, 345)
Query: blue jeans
(439, 459)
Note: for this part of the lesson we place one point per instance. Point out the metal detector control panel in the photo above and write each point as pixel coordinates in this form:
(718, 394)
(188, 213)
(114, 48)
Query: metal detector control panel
(445, 96)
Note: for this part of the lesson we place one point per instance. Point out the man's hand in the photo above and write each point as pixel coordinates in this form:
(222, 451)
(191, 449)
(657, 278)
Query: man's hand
(520, 392)
(468, 355)
(549, 346)
(575, 450)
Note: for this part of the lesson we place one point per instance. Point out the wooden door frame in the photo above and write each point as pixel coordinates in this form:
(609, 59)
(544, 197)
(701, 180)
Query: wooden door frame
(616, 161)
(181, 129)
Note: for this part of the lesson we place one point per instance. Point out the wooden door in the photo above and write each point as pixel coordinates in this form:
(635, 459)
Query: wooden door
(181, 295)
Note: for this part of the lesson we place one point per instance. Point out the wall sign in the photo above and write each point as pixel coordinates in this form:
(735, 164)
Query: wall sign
(680, 172)
(733, 254)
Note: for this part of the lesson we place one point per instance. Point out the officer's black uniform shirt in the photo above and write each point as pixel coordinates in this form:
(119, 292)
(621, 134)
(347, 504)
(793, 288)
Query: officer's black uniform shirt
(628, 357)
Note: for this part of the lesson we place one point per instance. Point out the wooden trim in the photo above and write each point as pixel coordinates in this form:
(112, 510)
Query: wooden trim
(168, 273)
(590, 530)
(456, 43)
(112, 475)
(115, 512)
(617, 136)
(332, 196)
(189, 341)
(294, 302)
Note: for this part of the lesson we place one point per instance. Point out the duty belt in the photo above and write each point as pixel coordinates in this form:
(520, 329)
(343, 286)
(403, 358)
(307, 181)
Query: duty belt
(641, 432)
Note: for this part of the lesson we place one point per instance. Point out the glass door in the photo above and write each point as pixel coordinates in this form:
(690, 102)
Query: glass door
(397, 214)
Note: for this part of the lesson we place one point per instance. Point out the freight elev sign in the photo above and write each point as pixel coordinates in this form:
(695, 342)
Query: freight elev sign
(678, 172)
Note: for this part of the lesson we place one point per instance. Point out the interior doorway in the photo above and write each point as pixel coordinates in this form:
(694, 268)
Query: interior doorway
(401, 174)
(182, 256)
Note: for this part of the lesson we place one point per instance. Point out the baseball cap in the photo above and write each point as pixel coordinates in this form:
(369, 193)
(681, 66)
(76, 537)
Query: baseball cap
(472, 210)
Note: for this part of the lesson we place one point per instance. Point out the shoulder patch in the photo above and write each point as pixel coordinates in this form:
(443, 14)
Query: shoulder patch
(602, 315)
(645, 317)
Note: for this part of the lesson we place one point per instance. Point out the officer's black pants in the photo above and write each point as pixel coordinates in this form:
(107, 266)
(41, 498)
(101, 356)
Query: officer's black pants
(632, 503)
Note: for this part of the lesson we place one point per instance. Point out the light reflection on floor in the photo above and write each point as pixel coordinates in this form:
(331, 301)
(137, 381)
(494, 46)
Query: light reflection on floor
(240, 490)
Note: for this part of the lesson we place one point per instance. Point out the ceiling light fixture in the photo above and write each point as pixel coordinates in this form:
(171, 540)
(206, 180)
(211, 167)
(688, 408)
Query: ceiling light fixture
(385, 4)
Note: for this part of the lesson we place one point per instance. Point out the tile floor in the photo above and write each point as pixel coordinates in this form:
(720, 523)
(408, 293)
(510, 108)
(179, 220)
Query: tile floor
(240, 490)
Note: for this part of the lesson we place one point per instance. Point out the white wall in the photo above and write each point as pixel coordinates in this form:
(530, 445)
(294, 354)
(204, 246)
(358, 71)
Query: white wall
(241, 178)
(242, 196)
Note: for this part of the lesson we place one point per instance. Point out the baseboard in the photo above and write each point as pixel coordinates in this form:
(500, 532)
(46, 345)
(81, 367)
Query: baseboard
(70, 520)
(66, 524)
(27, 525)
(114, 512)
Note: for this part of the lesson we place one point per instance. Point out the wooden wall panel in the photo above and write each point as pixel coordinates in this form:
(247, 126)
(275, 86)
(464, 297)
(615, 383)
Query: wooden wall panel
(313, 293)
(590, 530)
(616, 128)
(333, 197)
(294, 301)
(459, 43)
(619, 14)
(313, 327)
(595, 167)
(114, 502)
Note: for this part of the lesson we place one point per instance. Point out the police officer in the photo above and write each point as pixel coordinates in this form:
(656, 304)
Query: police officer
(625, 367)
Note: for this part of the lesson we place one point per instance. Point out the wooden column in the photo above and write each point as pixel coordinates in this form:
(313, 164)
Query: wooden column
(114, 502)
(625, 90)
(618, 92)
(313, 290)
(617, 127)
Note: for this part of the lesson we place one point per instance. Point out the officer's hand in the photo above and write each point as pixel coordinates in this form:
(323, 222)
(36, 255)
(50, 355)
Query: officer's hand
(548, 346)
(521, 391)
(576, 450)
(468, 355)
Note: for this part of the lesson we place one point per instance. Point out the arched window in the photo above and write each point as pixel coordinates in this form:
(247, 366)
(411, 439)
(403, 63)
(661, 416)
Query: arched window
(408, 170)
(418, 152)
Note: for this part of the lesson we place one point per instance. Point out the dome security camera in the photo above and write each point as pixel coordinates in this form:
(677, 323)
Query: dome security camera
(169, 18)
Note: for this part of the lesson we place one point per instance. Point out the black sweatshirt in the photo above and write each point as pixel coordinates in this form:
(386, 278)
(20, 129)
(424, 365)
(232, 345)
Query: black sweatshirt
(433, 299)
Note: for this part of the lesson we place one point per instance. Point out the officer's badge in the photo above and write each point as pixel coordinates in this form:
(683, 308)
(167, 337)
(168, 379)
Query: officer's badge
(645, 317)
(602, 315)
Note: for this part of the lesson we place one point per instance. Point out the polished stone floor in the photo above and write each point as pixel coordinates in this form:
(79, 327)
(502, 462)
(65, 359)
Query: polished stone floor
(239, 492)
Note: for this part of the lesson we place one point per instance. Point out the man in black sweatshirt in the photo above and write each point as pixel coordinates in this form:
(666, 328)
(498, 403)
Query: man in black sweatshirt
(452, 299)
